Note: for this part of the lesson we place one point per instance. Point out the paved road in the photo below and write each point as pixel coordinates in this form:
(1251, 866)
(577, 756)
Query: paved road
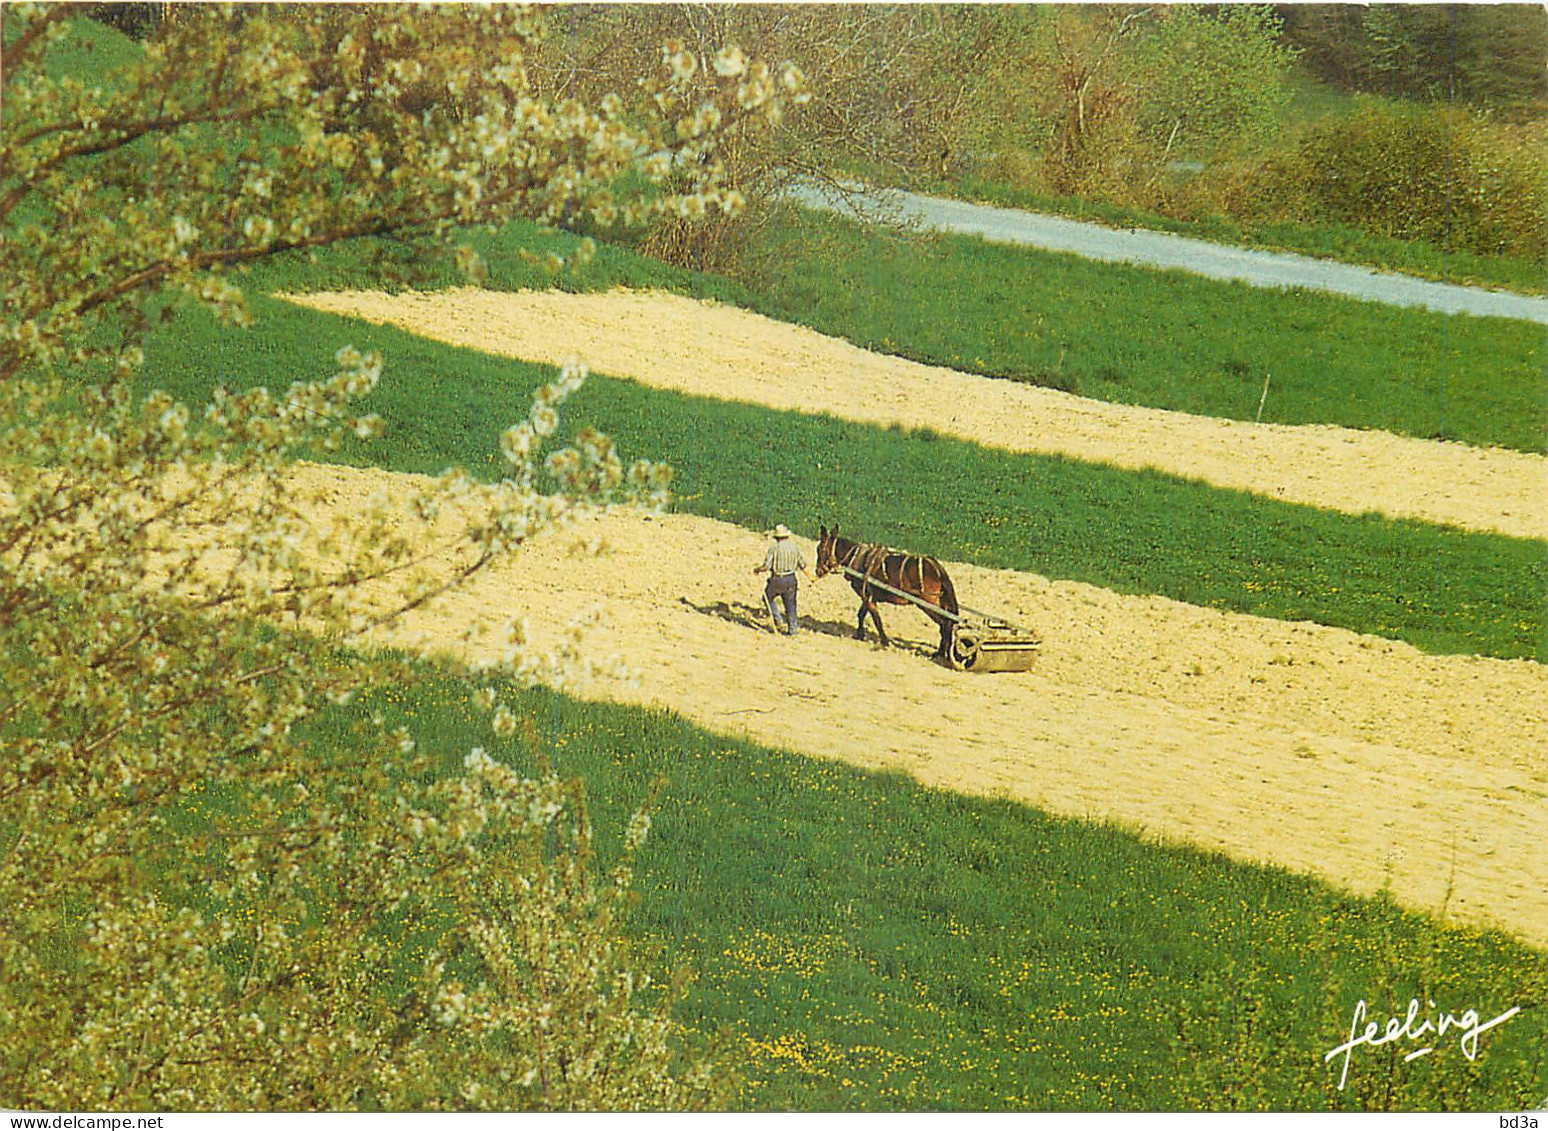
(1159, 249)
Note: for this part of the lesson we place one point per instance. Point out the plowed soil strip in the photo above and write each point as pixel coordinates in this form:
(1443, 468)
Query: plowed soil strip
(671, 342)
(1353, 758)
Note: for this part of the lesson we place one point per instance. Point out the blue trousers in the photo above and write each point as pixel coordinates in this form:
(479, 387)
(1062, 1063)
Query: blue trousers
(782, 589)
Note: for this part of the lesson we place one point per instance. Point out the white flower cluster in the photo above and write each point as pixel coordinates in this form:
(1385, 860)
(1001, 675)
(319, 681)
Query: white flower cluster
(154, 563)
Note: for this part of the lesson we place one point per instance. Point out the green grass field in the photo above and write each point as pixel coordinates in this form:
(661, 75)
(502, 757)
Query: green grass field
(1322, 241)
(1439, 588)
(1164, 339)
(860, 942)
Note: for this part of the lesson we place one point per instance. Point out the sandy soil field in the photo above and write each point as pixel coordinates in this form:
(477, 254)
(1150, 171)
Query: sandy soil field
(1357, 759)
(673, 342)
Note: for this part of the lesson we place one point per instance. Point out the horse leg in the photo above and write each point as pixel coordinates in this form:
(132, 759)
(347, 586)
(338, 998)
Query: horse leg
(941, 621)
(945, 648)
(880, 631)
(860, 624)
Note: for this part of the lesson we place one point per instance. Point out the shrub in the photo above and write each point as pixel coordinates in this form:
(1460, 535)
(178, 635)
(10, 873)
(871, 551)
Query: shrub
(1442, 175)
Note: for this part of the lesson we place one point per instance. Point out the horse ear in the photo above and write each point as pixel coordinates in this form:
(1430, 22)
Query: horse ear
(822, 532)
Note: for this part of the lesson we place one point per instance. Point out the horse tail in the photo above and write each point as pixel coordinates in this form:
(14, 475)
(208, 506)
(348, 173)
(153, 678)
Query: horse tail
(948, 591)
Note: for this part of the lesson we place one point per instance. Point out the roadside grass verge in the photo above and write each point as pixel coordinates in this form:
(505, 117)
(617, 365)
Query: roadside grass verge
(1439, 588)
(1164, 339)
(1322, 241)
(862, 942)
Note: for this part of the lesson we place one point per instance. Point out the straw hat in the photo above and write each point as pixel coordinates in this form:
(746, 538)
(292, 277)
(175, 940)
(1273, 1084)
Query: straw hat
(782, 531)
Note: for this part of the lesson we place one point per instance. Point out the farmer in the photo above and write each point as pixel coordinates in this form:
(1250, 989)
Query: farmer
(781, 563)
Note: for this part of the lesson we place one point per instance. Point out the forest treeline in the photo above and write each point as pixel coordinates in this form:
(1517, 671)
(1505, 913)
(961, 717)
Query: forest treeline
(1484, 54)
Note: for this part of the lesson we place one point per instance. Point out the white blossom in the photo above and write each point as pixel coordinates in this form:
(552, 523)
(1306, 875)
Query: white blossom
(730, 61)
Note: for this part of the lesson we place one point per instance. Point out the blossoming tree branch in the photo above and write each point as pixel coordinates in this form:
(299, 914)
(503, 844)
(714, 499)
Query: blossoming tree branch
(196, 910)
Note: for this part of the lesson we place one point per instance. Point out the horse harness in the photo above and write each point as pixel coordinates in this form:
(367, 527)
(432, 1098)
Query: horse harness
(870, 559)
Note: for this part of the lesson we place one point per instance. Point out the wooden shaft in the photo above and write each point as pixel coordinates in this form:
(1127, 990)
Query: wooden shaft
(955, 618)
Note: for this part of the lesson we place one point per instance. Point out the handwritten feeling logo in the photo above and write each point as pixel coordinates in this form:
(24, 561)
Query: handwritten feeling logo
(1396, 1028)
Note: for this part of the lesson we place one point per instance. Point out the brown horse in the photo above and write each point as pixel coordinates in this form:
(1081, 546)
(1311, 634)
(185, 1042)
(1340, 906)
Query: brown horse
(918, 574)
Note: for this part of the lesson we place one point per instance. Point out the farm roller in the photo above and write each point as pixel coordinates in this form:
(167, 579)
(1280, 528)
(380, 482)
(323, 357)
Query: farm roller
(981, 643)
